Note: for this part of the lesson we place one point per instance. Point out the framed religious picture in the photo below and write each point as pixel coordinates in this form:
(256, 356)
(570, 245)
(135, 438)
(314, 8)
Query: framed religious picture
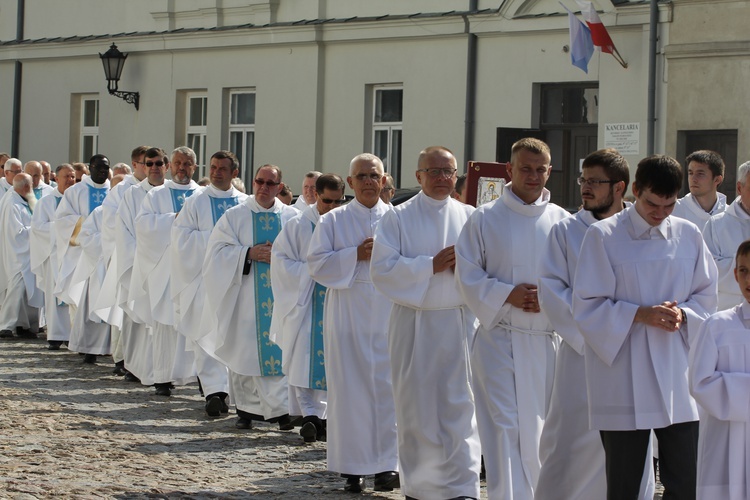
(485, 181)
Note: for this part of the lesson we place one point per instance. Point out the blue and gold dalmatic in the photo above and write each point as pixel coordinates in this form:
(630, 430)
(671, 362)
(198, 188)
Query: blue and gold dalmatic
(96, 196)
(179, 196)
(317, 353)
(221, 205)
(266, 226)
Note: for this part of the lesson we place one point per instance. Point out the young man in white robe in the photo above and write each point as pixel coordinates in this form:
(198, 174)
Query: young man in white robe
(720, 383)
(412, 265)
(645, 282)
(173, 363)
(190, 233)
(22, 298)
(137, 338)
(705, 171)
(44, 258)
(297, 323)
(11, 167)
(723, 234)
(87, 336)
(513, 356)
(307, 197)
(361, 416)
(239, 302)
(571, 454)
(106, 306)
(40, 188)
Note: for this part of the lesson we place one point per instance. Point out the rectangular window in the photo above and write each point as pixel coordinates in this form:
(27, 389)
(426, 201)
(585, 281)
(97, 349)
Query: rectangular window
(242, 132)
(196, 130)
(387, 128)
(89, 128)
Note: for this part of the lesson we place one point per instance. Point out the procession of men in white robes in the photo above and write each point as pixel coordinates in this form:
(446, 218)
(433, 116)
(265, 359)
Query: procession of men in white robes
(352, 317)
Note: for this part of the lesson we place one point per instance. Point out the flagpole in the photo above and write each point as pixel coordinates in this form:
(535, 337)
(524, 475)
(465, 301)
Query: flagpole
(652, 78)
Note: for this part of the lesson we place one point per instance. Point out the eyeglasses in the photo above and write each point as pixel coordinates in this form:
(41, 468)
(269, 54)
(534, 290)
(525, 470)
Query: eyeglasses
(593, 182)
(158, 163)
(438, 172)
(372, 177)
(270, 184)
(328, 201)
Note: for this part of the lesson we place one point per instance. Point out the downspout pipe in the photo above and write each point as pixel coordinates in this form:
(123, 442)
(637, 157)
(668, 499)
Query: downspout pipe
(653, 41)
(471, 84)
(17, 81)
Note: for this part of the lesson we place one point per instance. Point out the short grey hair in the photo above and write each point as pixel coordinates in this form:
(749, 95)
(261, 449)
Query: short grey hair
(313, 174)
(742, 172)
(369, 157)
(13, 161)
(64, 166)
(124, 167)
(185, 151)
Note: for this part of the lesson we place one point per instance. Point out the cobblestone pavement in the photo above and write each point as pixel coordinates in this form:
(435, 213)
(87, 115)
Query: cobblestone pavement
(68, 429)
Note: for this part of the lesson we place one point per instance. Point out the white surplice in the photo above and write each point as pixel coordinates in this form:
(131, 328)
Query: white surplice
(293, 311)
(190, 233)
(44, 265)
(229, 311)
(720, 383)
(438, 440)
(301, 205)
(723, 234)
(4, 186)
(94, 338)
(572, 455)
(151, 280)
(22, 298)
(513, 355)
(637, 374)
(42, 190)
(361, 416)
(689, 209)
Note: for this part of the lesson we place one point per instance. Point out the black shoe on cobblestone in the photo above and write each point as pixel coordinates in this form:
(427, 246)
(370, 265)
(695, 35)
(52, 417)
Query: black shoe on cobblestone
(243, 423)
(213, 406)
(54, 345)
(89, 359)
(129, 377)
(25, 333)
(6, 334)
(355, 484)
(387, 481)
(285, 423)
(163, 389)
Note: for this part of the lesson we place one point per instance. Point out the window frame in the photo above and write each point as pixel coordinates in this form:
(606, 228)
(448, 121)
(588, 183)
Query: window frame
(247, 130)
(87, 131)
(392, 129)
(199, 132)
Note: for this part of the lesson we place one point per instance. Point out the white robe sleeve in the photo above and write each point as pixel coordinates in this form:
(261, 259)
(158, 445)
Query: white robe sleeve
(703, 299)
(724, 395)
(331, 267)
(485, 295)
(593, 307)
(723, 257)
(41, 237)
(403, 280)
(188, 248)
(556, 288)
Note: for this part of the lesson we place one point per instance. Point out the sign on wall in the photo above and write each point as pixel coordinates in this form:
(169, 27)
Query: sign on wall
(624, 137)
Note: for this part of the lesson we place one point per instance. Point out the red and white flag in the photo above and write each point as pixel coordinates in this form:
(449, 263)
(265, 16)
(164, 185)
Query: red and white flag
(599, 33)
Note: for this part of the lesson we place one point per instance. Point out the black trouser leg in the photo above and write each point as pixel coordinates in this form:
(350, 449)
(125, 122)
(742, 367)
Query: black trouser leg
(625, 453)
(678, 458)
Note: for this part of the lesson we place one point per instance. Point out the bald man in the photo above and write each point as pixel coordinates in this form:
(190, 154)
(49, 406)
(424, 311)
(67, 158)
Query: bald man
(35, 170)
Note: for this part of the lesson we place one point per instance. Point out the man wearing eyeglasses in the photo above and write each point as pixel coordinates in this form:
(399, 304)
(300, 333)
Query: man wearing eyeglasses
(12, 166)
(105, 306)
(88, 335)
(173, 364)
(412, 264)
(362, 419)
(297, 325)
(513, 356)
(190, 233)
(239, 302)
(568, 449)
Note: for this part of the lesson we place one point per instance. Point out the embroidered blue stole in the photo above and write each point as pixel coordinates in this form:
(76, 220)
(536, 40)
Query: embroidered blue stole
(317, 352)
(38, 193)
(179, 196)
(266, 226)
(96, 196)
(221, 205)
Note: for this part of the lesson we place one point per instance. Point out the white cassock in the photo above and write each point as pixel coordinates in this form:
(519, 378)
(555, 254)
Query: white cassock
(90, 275)
(22, 298)
(301, 205)
(190, 233)
(723, 234)
(296, 300)
(136, 338)
(689, 209)
(438, 441)
(151, 279)
(78, 202)
(238, 305)
(637, 374)
(4, 186)
(720, 383)
(361, 416)
(44, 265)
(572, 455)
(43, 190)
(513, 355)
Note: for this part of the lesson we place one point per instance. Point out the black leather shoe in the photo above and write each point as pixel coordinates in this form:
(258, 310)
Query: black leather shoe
(54, 345)
(213, 406)
(355, 484)
(163, 389)
(243, 423)
(387, 481)
(6, 334)
(285, 423)
(309, 432)
(129, 377)
(25, 333)
(89, 359)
